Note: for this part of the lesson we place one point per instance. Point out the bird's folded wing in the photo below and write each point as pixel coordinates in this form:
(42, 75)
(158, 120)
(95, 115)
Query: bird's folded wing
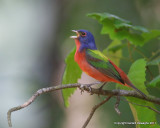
(99, 61)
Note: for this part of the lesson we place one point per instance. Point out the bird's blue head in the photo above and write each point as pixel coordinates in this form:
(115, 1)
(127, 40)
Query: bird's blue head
(85, 38)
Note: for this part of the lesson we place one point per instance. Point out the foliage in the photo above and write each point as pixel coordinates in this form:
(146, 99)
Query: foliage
(155, 82)
(137, 76)
(121, 29)
(115, 48)
(71, 75)
(154, 62)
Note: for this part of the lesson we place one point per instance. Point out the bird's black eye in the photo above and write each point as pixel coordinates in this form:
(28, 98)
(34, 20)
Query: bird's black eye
(83, 33)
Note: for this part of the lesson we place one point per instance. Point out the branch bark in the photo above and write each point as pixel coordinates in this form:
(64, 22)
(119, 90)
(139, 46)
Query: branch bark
(93, 110)
(87, 88)
(116, 105)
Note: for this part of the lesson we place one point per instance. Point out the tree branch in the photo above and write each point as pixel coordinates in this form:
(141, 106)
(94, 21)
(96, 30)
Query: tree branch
(116, 105)
(93, 110)
(109, 93)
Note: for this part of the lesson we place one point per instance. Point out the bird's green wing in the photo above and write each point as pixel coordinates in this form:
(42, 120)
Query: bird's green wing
(99, 61)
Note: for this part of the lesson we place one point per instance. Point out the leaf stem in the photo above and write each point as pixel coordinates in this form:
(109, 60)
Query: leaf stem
(155, 54)
(151, 75)
(129, 50)
(141, 53)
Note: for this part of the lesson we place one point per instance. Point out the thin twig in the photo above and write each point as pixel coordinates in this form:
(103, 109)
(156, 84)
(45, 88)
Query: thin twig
(86, 88)
(138, 51)
(36, 94)
(151, 75)
(116, 105)
(155, 54)
(93, 110)
(129, 50)
(39, 92)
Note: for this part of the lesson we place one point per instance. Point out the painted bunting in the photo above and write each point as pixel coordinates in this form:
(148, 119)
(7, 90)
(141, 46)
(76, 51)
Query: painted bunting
(95, 63)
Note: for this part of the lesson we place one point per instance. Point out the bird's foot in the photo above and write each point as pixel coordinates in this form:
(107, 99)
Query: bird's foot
(83, 86)
(88, 87)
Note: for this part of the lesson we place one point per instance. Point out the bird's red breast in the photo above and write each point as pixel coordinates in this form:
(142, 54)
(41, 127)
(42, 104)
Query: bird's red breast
(80, 58)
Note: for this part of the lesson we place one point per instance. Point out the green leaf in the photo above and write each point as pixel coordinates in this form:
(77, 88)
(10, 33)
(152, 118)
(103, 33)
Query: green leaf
(137, 76)
(151, 35)
(154, 62)
(120, 29)
(103, 16)
(116, 47)
(71, 75)
(140, 28)
(155, 82)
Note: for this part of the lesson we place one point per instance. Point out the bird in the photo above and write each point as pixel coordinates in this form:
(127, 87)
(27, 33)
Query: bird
(94, 63)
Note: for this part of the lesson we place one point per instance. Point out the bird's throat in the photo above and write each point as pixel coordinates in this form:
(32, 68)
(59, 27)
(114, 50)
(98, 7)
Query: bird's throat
(78, 44)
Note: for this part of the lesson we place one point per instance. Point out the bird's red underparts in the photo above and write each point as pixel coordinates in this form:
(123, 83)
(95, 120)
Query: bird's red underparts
(80, 58)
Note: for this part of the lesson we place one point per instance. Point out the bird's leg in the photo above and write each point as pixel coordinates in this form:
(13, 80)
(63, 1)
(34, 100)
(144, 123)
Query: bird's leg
(100, 88)
(83, 86)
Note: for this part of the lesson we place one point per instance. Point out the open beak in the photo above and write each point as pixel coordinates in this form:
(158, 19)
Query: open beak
(75, 37)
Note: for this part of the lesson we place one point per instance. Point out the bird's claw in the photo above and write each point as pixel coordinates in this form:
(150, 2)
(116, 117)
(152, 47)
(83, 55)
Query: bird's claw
(83, 86)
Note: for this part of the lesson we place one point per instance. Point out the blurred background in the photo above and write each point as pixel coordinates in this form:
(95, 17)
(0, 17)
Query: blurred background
(34, 41)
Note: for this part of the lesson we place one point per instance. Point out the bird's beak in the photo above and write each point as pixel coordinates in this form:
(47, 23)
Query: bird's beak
(75, 37)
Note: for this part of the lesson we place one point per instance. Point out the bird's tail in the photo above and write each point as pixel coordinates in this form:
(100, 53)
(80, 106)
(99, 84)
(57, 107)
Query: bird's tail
(132, 86)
